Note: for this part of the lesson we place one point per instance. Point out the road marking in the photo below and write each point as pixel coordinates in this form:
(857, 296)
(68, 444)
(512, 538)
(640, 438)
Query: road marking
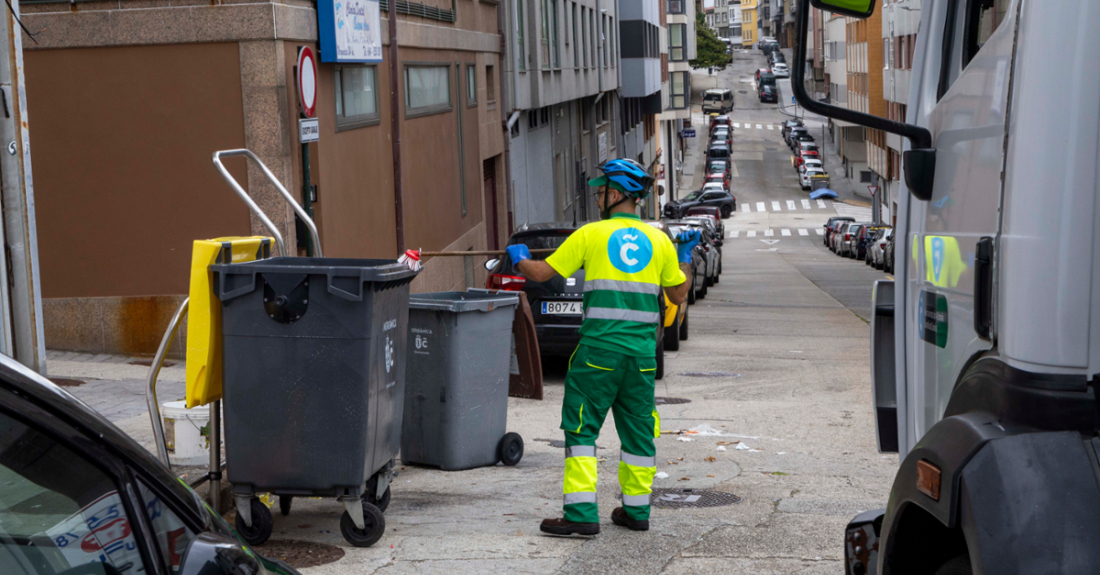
(759, 127)
(771, 127)
(771, 242)
(776, 208)
(745, 208)
(734, 234)
(803, 232)
(790, 206)
(821, 204)
(760, 207)
(820, 231)
(736, 125)
(785, 232)
(805, 204)
(769, 232)
(750, 234)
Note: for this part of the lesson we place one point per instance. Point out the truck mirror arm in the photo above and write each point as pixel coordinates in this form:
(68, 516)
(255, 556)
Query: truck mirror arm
(920, 159)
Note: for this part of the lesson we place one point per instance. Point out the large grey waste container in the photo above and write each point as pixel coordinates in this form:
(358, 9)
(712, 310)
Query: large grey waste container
(313, 364)
(456, 392)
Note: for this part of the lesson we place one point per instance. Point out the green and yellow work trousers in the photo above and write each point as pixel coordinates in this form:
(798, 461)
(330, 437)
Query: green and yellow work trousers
(599, 379)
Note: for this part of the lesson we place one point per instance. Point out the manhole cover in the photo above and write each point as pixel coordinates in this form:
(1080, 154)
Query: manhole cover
(742, 91)
(685, 498)
(63, 382)
(300, 554)
(709, 374)
(671, 400)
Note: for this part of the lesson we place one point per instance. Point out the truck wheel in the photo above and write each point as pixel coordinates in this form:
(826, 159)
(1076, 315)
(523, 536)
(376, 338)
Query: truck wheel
(684, 327)
(261, 524)
(374, 524)
(672, 334)
(957, 566)
(510, 449)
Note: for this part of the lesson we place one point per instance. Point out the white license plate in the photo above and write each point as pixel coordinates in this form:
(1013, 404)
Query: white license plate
(562, 308)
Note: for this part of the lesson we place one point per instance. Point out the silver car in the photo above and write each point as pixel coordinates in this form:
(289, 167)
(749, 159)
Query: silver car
(845, 239)
(878, 248)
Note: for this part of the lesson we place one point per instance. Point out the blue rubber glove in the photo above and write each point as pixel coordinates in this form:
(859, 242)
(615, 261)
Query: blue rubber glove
(517, 253)
(687, 239)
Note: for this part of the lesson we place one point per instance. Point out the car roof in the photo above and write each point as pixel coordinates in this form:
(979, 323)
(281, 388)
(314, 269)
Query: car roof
(717, 91)
(547, 226)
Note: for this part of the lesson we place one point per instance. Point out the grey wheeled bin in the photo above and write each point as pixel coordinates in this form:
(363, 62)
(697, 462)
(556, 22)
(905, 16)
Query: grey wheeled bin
(456, 390)
(314, 371)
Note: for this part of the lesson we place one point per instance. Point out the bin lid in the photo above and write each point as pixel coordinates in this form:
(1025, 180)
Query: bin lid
(459, 302)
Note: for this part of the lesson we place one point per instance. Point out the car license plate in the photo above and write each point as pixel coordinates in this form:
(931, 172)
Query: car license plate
(562, 308)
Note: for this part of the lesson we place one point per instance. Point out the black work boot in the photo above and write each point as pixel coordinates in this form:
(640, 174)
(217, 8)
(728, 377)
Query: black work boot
(620, 518)
(560, 526)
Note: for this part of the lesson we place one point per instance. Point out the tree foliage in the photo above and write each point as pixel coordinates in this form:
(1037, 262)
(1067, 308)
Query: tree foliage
(709, 50)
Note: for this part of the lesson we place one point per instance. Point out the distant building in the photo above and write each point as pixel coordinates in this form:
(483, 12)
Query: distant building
(735, 23)
(676, 116)
(749, 17)
(722, 18)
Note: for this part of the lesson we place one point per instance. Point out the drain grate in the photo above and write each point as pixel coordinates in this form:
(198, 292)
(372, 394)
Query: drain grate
(671, 400)
(65, 382)
(742, 91)
(710, 374)
(687, 498)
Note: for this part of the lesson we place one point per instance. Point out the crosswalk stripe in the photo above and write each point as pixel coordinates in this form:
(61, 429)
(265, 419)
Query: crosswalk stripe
(820, 231)
(803, 232)
(759, 127)
(735, 233)
(776, 208)
(785, 232)
(771, 127)
(769, 232)
(760, 207)
(750, 233)
(790, 205)
(805, 204)
(745, 208)
(736, 125)
(821, 204)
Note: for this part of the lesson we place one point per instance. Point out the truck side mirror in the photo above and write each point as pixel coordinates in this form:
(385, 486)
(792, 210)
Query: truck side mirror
(855, 8)
(214, 554)
(492, 264)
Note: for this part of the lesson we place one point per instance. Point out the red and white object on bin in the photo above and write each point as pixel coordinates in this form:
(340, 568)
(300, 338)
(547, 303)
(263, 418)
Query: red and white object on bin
(411, 259)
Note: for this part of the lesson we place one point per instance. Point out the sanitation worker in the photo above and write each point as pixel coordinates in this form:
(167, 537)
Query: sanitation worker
(627, 262)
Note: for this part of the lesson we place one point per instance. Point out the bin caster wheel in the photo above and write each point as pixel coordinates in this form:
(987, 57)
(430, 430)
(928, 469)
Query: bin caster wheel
(284, 504)
(510, 450)
(261, 524)
(374, 524)
(380, 502)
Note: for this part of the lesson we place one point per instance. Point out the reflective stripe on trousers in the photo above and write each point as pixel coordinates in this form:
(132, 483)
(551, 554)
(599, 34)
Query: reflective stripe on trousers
(636, 478)
(580, 475)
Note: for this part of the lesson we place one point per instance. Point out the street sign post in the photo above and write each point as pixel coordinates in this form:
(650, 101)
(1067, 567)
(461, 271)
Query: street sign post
(307, 81)
(309, 127)
(876, 209)
(687, 133)
(309, 130)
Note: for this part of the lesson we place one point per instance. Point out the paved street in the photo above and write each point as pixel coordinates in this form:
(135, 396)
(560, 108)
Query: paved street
(774, 381)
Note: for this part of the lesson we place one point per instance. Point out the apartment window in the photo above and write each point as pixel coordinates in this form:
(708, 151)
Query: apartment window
(520, 42)
(490, 85)
(595, 41)
(555, 53)
(544, 39)
(603, 38)
(584, 38)
(611, 40)
(586, 118)
(576, 49)
(544, 116)
(427, 89)
(679, 83)
(471, 84)
(676, 33)
(356, 97)
(532, 120)
(675, 6)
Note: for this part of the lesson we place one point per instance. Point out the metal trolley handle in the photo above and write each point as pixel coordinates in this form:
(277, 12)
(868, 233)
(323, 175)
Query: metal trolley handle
(256, 209)
(166, 341)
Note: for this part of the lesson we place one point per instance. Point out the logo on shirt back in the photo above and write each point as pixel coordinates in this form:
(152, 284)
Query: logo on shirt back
(629, 250)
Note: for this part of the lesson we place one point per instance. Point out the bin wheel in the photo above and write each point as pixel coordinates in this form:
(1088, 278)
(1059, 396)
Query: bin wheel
(510, 449)
(381, 503)
(374, 524)
(284, 504)
(261, 524)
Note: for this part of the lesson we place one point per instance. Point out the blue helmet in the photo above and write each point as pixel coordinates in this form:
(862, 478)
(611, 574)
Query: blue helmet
(628, 176)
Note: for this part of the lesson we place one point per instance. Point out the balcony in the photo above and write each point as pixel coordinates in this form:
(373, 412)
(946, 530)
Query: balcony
(675, 6)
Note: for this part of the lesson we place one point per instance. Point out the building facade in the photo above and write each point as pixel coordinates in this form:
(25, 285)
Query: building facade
(159, 86)
(562, 105)
(722, 18)
(644, 70)
(676, 115)
(735, 23)
(749, 18)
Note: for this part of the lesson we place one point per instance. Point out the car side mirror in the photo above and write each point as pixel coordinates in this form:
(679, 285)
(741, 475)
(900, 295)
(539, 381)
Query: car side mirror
(492, 264)
(214, 554)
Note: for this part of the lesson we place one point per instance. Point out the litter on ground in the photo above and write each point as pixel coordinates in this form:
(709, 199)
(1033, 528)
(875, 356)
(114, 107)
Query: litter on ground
(683, 439)
(661, 475)
(743, 447)
(720, 448)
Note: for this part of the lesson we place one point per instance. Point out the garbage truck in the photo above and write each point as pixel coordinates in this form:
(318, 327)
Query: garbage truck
(985, 347)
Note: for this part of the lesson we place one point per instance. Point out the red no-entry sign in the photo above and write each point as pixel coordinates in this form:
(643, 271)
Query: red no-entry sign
(307, 81)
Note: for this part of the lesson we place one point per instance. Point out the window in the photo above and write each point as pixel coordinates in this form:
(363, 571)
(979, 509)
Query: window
(676, 32)
(595, 40)
(173, 536)
(54, 494)
(544, 39)
(603, 38)
(576, 49)
(680, 88)
(490, 85)
(614, 44)
(427, 89)
(532, 120)
(521, 44)
(356, 97)
(584, 38)
(544, 116)
(555, 52)
(471, 84)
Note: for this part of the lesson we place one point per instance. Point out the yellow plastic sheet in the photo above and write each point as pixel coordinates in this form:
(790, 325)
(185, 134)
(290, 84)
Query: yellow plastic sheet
(204, 344)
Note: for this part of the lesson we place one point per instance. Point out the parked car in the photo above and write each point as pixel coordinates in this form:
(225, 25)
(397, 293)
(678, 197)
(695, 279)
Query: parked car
(711, 252)
(719, 178)
(723, 200)
(788, 125)
(719, 151)
(791, 133)
(718, 100)
(805, 178)
(843, 238)
(776, 56)
(878, 248)
(768, 94)
(719, 167)
(82, 497)
(766, 80)
(780, 70)
(797, 139)
(863, 239)
(719, 121)
(802, 154)
(556, 304)
(722, 135)
(698, 263)
(888, 255)
(811, 164)
(830, 226)
(760, 72)
(676, 316)
(715, 215)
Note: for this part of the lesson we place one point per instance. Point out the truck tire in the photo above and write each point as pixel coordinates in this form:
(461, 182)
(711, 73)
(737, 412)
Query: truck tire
(672, 334)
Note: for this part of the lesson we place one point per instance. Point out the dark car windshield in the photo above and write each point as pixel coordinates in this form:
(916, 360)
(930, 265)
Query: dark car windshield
(542, 240)
(767, 79)
(692, 196)
(710, 96)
